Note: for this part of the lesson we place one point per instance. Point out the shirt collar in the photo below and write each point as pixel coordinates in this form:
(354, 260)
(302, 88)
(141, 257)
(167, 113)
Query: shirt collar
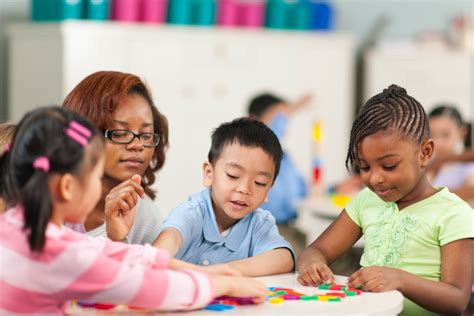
(211, 233)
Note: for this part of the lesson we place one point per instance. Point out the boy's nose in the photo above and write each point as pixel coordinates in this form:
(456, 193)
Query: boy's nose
(244, 188)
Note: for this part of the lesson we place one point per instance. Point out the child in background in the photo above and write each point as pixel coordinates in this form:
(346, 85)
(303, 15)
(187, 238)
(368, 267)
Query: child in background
(52, 174)
(6, 135)
(418, 238)
(224, 223)
(449, 133)
(290, 187)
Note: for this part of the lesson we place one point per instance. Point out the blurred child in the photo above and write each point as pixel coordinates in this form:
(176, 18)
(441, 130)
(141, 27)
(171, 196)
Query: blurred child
(449, 133)
(224, 223)
(418, 238)
(290, 187)
(6, 135)
(52, 174)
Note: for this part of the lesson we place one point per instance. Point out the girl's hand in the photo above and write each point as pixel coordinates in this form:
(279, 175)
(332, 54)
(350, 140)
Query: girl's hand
(376, 279)
(239, 287)
(223, 269)
(315, 273)
(120, 207)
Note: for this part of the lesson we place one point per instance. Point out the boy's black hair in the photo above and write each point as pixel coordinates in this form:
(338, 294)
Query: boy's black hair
(262, 103)
(391, 109)
(249, 133)
(446, 110)
(42, 133)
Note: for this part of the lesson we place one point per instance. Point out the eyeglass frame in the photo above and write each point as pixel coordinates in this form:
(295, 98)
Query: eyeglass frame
(108, 132)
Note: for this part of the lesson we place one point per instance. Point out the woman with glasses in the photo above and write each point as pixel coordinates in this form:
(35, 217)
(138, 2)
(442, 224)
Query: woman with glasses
(136, 133)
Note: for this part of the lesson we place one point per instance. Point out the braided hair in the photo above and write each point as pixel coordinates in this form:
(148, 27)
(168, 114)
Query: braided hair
(393, 109)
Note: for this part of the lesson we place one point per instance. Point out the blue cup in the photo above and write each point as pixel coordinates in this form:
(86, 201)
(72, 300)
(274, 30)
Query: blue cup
(97, 9)
(204, 12)
(180, 11)
(322, 15)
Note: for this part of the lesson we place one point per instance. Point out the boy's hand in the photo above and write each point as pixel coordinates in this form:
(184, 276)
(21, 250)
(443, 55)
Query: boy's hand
(223, 269)
(120, 207)
(376, 279)
(315, 273)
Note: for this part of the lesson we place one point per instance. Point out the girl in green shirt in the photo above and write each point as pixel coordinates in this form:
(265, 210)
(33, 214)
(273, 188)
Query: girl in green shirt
(418, 238)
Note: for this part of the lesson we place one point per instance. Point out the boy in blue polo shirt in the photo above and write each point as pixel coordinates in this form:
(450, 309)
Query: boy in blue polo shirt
(223, 223)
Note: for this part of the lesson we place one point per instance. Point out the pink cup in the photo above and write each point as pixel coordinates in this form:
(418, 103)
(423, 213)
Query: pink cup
(126, 10)
(154, 11)
(251, 14)
(227, 13)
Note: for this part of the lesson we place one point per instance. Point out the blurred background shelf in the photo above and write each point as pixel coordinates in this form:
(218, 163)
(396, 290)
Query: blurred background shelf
(200, 78)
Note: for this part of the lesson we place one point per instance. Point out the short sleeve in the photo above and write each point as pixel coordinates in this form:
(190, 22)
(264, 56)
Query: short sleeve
(456, 223)
(267, 236)
(354, 206)
(187, 219)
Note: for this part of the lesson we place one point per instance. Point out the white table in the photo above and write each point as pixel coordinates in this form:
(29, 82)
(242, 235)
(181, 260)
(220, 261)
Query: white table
(386, 303)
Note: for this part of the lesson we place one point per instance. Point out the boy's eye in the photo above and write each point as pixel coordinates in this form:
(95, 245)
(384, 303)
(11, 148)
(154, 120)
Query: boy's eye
(261, 184)
(231, 176)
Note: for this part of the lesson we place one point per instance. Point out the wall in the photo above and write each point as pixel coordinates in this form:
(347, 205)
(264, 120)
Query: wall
(405, 19)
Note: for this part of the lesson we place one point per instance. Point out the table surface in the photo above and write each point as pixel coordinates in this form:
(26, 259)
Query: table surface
(386, 303)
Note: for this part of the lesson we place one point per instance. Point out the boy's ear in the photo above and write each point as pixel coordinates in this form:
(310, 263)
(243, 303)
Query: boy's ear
(427, 148)
(207, 173)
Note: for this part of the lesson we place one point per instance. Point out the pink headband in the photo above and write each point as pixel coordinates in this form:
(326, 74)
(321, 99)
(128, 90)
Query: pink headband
(78, 133)
(41, 163)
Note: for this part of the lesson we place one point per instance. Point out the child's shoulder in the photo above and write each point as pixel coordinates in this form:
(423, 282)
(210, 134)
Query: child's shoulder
(447, 201)
(262, 216)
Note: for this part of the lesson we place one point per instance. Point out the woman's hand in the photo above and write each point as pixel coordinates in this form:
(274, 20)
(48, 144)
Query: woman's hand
(376, 279)
(315, 273)
(239, 287)
(120, 207)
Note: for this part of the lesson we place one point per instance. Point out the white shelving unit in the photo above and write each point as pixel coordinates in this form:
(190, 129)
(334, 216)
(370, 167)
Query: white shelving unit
(200, 77)
(432, 76)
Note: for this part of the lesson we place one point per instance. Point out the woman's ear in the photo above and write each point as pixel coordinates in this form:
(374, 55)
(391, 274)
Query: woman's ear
(207, 173)
(427, 148)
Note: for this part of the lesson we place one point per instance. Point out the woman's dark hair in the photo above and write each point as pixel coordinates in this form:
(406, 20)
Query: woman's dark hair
(445, 110)
(249, 133)
(262, 103)
(43, 133)
(391, 109)
(97, 96)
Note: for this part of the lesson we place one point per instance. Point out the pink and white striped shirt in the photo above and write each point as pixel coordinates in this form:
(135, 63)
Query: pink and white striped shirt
(75, 266)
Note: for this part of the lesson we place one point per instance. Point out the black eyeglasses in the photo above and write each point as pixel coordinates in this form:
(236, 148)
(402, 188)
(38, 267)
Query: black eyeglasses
(122, 136)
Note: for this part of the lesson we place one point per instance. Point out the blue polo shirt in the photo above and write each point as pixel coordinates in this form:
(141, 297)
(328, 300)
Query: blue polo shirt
(254, 234)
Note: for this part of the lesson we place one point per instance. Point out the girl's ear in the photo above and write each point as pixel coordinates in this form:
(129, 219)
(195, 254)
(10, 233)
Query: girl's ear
(427, 148)
(65, 187)
(208, 173)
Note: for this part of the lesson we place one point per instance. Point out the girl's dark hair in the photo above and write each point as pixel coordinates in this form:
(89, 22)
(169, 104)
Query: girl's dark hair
(249, 133)
(42, 133)
(97, 96)
(391, 109)
(445, 110)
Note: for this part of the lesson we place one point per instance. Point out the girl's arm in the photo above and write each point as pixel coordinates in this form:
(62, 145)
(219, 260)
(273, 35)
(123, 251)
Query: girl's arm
(113, 272)
(281, 262)
(450, 295)
(339, 237)
(169, 239)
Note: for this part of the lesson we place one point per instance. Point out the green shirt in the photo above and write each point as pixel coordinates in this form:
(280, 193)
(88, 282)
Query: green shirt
(410, 239)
